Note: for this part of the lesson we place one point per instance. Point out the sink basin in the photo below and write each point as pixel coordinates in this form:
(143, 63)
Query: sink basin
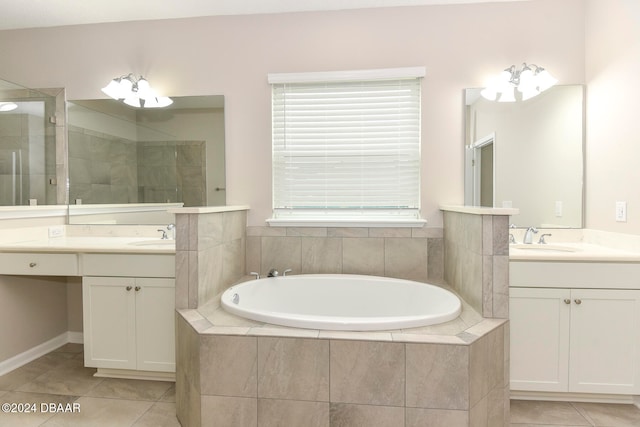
(545, 248)
(154, 242)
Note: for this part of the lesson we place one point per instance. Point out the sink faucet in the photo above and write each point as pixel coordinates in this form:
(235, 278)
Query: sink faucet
(164, 234)
(528, 235)
(542, 241)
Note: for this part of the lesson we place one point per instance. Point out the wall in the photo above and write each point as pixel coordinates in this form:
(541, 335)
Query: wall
(460, 46)
(612, 69)
(44, 307)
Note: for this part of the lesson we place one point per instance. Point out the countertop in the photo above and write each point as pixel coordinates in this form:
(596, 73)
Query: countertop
(570, 252)
(92, 244)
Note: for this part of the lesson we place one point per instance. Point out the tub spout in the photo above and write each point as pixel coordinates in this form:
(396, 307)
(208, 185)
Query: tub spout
(273, 273)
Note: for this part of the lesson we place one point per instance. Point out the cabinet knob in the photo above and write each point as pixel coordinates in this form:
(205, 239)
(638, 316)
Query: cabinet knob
(567, 301)
(129, 288)
(32, 264)
(577, 301)
(137, 288)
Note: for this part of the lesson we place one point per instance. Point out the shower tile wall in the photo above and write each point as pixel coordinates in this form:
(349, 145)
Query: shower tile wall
(172, 171)
(102, 168)
(23, 141)
(108, 169)
(404, 253)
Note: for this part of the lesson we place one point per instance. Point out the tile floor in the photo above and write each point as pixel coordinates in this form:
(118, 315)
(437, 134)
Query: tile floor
(60, 378)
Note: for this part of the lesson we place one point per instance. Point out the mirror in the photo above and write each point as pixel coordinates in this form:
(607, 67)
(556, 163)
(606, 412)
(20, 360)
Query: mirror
(527, 155)
(127, 165)
(28, 173)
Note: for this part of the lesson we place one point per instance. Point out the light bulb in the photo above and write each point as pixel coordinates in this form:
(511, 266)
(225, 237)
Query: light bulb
(143, 88)
(508, 94)
(112, 89)
(544, 80)
(7, 106)
(133, 101)
(489, 93)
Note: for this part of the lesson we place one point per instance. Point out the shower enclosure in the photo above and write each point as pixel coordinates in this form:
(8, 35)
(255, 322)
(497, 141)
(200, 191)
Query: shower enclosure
(27, 146)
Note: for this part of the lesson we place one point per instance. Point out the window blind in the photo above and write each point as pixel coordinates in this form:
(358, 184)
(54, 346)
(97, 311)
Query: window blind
(346, 148)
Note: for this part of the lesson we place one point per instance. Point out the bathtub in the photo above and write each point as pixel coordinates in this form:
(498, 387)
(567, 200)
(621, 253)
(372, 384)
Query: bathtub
(341, 302)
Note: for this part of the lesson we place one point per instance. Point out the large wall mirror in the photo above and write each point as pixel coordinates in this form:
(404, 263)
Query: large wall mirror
(28, 172)
(119, 155)
(527, 155)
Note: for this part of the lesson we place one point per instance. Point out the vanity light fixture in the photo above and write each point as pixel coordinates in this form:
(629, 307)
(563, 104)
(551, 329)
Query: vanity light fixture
(135, 92)
(7, 106)
(530, 81)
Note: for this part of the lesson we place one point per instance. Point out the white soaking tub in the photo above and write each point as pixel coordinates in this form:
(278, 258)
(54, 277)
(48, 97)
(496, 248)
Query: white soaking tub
(341, 302)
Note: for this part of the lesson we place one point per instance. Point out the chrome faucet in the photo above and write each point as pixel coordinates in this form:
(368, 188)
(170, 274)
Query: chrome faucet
(273, 273)
(542, 241)
(164, 234)
(172, 228)
(528, 235)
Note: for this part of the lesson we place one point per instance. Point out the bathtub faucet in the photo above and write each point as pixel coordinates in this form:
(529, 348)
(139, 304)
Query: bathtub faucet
(273, 273)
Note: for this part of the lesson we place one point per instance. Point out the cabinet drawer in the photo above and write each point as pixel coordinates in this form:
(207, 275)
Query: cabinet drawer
(39, 264)
(128, 265)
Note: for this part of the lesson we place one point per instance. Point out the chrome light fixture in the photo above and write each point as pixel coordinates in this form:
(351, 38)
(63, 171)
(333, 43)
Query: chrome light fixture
(530, 81)
(7, 106)
(135, 92)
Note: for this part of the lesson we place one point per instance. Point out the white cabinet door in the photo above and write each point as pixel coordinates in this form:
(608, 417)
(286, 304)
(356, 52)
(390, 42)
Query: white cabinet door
(605, 336)
(129, 323)
(155, 324)
(109, 322)
(539, 322)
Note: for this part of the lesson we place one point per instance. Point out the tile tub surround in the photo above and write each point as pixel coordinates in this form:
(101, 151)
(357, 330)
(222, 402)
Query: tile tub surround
(210, 252)
(403, 253)
(239, 374)
(476, 257)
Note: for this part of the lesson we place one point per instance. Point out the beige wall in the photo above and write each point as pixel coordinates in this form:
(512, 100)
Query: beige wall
(460, 46)
(34, 306)
(613, 152)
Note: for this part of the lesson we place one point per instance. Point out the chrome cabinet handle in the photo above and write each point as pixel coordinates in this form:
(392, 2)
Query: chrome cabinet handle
(129, 288)
(567, 301)
(577, 301)
(32, 264)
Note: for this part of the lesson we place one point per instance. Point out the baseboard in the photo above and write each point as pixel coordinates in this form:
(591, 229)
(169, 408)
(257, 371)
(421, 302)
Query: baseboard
(575, 397)
(40, 350)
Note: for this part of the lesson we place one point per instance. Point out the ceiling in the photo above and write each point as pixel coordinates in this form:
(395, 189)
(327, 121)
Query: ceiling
(52, 13)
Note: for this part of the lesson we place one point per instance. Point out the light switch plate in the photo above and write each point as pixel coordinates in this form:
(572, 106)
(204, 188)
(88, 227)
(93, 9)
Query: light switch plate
(621, 211)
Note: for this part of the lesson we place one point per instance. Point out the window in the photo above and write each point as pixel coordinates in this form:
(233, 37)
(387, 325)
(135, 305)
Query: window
(346, 147)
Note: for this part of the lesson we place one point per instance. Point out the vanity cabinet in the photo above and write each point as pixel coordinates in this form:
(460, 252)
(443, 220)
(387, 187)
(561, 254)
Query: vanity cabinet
(129, 323)
(575, 340)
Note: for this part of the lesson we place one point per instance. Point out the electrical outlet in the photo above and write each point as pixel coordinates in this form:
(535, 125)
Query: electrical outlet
(621, 211)
(558, 208)
(56, 231)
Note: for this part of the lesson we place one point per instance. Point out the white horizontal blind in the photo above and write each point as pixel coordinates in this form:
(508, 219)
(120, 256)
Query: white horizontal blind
(345, 147)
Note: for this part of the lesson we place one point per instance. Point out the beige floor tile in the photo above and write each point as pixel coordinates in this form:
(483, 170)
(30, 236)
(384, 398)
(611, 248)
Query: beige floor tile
(99, 412)
(617, 415)
(545, 413)
(130, 389)
(70, 348)
(68, 380)
(161, 414)
(36, 414)
(170, 395)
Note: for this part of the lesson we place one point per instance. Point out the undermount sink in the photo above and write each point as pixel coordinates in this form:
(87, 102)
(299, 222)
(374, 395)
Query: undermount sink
(544, 247)
(154, 242)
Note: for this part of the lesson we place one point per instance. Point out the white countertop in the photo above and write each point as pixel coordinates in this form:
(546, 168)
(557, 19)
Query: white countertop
(88, 244)
(570, 252)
